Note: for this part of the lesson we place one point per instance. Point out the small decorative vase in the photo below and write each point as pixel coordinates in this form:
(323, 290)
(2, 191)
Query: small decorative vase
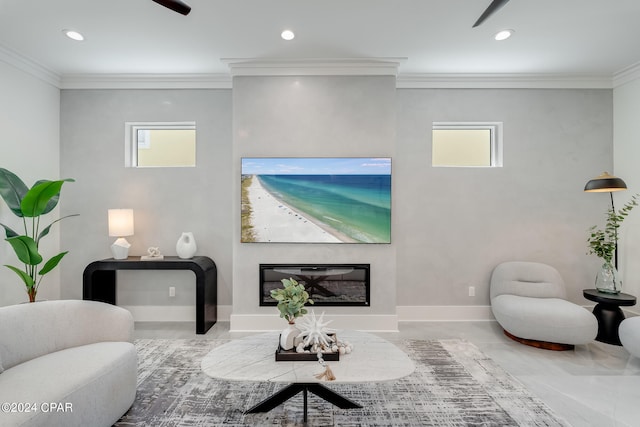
(186, 246)
(288, 336)
(607, 279)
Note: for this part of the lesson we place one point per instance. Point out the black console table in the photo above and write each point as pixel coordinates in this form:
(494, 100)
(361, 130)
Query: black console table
(99, 282)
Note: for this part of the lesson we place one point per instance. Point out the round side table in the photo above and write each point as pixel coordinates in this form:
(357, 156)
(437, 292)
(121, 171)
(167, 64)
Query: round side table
(608, 313)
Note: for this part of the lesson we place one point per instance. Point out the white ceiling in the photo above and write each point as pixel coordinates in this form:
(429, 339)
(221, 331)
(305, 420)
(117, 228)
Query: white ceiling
(555, 37)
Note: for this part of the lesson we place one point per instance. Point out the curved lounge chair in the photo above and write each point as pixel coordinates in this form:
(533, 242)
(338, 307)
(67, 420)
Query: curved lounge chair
(528, 301)
(629, 332)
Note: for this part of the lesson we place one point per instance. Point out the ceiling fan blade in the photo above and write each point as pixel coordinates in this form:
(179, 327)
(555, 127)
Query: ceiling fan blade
(175, 5)
(493, 8)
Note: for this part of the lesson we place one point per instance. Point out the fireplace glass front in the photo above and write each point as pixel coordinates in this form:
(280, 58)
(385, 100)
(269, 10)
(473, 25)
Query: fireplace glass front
(327, 284)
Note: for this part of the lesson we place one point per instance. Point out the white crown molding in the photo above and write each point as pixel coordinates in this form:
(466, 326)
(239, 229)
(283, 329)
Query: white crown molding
(502, 81)
(626, 75)
(309, 67)
(313, 66)
(29, 66)
(344, 68)
(145, 81)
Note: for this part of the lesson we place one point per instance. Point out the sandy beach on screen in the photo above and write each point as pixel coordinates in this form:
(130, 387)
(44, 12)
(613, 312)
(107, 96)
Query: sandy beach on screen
(274, 221)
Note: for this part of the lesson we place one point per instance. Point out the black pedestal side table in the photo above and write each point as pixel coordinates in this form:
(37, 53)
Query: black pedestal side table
(99, 282)
(608, 313)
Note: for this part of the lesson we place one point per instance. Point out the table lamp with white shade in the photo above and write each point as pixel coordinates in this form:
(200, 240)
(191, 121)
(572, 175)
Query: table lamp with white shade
(120, 226)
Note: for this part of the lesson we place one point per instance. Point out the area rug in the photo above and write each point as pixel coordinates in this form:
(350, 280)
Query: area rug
(454, 384)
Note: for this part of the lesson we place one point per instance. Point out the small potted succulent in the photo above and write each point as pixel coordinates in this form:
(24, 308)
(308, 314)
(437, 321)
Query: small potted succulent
(291, 300)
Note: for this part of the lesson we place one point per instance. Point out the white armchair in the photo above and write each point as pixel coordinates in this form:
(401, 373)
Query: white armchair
(629, 332)
(528, 300)
(72, 353)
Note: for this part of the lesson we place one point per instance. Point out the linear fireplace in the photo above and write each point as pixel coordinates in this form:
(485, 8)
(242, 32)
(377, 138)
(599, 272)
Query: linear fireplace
(327, 284)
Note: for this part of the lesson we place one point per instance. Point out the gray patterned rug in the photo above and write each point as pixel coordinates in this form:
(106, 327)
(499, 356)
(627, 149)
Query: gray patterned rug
(454, 384)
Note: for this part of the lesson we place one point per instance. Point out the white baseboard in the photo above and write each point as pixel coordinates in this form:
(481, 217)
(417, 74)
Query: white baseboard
(452, 313)
(422, 313)
(272, 322)
(257, 322)
(179, 313)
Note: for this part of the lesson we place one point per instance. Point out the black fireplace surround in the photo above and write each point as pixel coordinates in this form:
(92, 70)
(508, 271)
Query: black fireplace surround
(327, 284)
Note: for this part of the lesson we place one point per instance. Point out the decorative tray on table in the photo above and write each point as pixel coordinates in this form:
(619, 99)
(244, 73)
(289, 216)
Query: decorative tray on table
(311, 356)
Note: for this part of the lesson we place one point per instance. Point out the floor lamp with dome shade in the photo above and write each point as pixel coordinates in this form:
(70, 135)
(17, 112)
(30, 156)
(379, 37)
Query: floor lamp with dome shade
(604, 183)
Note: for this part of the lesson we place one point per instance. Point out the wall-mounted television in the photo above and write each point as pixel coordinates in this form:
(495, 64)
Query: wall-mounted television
(316, 200)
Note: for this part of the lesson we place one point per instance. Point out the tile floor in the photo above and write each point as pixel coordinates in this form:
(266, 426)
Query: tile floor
(597, 385)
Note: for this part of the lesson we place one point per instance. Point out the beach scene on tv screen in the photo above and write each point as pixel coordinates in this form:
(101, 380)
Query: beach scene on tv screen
(316, 200)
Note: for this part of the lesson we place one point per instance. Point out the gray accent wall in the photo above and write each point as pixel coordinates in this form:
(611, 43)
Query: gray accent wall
(166, 201)
(450, 226)
(456, 224)
(626, 110)
(29, 147)
(313, 116)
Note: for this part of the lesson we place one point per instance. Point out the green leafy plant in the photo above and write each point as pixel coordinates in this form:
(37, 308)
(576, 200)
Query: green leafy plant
(291, 299)
(30, 204)
(603, 241)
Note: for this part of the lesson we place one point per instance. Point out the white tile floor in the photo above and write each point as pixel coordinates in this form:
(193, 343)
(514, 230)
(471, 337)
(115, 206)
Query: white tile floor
(593, 385)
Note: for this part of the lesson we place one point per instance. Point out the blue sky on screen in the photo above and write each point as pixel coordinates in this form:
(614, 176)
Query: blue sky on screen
(316, 166)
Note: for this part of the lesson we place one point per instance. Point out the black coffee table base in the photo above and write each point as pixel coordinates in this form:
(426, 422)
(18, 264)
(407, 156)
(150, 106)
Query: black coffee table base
(291, 390)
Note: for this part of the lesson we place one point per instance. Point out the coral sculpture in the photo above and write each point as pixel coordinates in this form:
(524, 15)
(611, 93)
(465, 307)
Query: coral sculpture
(314, 331)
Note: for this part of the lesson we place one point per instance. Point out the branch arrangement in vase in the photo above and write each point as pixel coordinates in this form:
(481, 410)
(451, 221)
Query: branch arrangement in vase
(603, 241)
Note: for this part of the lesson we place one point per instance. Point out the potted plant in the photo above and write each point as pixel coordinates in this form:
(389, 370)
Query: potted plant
(291, 300)
(603, 242)
(30, 204)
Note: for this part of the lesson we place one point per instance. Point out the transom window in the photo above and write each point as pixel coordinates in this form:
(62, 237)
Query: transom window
(160, 144)
(470, 144)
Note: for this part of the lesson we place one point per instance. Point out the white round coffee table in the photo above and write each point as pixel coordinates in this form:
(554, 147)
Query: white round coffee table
(373, 359)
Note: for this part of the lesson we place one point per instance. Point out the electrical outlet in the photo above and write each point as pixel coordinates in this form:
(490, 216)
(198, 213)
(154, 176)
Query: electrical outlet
(472, 291)
(172, 291)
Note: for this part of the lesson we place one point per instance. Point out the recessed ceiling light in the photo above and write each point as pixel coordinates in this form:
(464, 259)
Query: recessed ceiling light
(74, 35)
(287, 35)
(503, 35)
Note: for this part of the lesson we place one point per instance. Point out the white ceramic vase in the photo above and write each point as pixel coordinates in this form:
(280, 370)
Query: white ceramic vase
(186, 246)
(288, 336)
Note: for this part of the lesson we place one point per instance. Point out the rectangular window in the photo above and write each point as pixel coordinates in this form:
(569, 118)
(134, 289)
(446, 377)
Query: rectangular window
(160, 144)
(470, 144)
